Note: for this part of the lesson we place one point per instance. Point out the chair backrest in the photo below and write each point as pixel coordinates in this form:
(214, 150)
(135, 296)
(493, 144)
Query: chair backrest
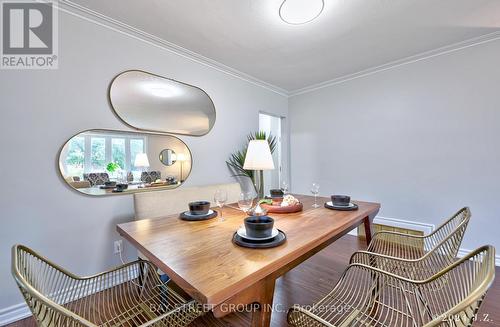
(454, 295)
(456, 224)
(168, 202)
(451, 297)
(421, 264)
(46, 287)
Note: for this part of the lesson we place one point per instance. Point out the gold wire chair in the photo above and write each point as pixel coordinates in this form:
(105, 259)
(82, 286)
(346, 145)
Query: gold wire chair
(414, 247)
(416, 257)
(129, 295)
(368, 296)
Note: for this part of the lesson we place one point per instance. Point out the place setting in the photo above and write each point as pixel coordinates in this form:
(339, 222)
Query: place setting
(341, 202)
(198, 210)
(259, 232)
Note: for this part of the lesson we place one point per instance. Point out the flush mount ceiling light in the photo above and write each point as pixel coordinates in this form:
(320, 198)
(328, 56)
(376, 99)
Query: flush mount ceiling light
(161, 90)
(298, 12)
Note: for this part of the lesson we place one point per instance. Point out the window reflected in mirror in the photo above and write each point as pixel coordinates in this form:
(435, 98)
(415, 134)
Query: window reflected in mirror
(102, 162)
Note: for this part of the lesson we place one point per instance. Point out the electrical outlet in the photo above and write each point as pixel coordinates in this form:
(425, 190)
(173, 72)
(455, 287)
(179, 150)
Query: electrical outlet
(118, 246)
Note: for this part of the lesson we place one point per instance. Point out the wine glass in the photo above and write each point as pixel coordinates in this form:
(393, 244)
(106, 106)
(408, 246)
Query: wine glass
(284, 187)
(220, 198)
(315, 192)
(245, 202)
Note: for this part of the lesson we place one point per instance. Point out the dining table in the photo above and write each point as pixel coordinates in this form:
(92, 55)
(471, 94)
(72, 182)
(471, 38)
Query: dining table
(201, 258)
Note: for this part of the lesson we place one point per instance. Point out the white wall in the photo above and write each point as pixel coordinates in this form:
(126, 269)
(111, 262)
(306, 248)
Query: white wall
(42, 109)
(422, 139)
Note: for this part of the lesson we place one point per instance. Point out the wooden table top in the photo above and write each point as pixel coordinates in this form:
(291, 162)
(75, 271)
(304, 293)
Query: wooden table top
(201, 258)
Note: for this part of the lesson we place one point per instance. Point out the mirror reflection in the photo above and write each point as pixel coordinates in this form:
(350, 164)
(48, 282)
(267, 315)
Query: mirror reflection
(168, 157)
(102, 162)
(154, 103)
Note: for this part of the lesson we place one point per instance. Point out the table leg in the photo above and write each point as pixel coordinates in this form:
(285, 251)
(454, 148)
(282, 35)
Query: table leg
(368, 229)
(259, 295)
(262, 316)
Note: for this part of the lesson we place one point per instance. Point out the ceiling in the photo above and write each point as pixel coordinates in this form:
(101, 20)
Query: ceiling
(348, 37)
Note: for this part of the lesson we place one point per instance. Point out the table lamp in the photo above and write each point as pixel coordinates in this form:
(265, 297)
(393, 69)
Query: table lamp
(141, 161)
(259, 158)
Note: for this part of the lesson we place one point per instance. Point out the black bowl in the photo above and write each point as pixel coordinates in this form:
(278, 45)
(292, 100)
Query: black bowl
(259, 226)
(341, 200)
(199, 207)
(109, 183)
(121, 187)
(276, 193)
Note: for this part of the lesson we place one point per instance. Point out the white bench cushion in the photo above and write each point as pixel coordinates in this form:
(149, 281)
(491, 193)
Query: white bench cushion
(169, 202)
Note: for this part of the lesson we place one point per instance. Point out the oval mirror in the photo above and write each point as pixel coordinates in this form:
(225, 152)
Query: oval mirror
(153, 103)
(168, 157)
(104, 162)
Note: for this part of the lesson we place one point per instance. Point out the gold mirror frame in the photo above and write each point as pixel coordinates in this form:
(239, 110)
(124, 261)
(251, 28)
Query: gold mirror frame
(180, 170)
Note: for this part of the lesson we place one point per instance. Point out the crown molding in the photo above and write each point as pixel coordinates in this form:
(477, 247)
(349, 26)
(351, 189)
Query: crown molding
(125, 29)
(401, 62)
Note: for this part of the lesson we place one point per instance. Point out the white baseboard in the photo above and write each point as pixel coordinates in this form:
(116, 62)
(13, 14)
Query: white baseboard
(14, 313)
(406, 224)
(400, 223)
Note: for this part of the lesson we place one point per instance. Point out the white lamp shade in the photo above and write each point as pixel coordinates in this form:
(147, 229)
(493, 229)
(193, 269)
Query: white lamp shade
(258, 156)
(180, 157)
(141, 160)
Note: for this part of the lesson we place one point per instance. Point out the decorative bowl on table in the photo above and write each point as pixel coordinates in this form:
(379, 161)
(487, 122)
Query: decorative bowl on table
(288, 204)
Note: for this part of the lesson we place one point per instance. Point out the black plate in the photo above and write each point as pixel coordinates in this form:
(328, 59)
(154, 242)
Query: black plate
(183, 216)
(268, 243)
(341, 208)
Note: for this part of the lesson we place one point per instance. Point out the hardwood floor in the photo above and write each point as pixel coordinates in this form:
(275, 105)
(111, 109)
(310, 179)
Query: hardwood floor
(312, 280)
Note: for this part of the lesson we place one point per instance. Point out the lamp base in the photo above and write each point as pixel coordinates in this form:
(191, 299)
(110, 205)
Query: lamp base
(259, 183)
(257, 210)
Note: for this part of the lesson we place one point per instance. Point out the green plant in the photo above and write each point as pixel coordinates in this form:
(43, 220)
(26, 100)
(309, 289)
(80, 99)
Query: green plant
(237, 159)
(112, 167)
